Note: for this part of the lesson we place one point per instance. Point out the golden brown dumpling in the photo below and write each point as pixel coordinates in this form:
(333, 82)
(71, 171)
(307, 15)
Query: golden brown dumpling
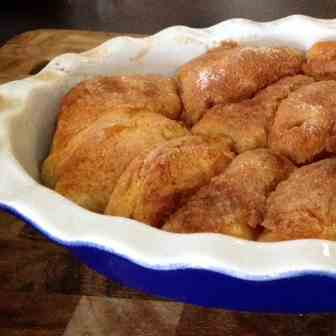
(122, 95)
(234, 202)
(231, 73)
(89, 167)
(157, 182)
(321, 60)
(304, 206)
(304, 125)
(247, 123)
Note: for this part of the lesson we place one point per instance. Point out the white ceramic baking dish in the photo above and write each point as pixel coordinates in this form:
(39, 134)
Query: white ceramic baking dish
(206, 269)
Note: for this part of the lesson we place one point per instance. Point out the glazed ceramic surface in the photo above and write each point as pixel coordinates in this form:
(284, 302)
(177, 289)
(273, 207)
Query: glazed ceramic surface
(205, 269)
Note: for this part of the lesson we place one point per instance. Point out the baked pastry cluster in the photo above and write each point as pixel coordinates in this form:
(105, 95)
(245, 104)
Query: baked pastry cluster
(241, 142)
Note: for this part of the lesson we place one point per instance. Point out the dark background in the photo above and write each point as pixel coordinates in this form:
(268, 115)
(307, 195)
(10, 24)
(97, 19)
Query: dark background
(145, 16)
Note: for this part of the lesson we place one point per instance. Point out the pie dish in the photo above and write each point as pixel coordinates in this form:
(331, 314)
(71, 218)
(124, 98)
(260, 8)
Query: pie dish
(206, 269)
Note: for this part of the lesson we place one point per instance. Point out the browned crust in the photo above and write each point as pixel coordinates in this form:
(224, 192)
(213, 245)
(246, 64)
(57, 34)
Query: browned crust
(321, 61)
(227, 75)
(233, 203)
(96, 157)
(304, 125)
(122, 95)
(158, 182)
(247, 123)
(304, 206)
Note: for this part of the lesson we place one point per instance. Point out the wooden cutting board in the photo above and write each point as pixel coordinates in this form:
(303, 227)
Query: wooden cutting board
(29, 52)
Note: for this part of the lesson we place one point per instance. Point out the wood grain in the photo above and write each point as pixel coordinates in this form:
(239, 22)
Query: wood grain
(123, 317)
(9, 226)
(39, 265)
(215, 322)
(71, 315)
(35, 314)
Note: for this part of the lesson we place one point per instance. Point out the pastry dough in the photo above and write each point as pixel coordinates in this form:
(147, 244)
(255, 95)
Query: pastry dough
(89, 167)
(304, 125)
(156, 183)
(321, 60)
(231, 73)
(304, 206)
(234, 202)
(247, 123)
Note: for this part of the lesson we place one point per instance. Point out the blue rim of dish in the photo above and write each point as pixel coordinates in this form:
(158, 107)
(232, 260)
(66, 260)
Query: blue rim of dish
(287, 294)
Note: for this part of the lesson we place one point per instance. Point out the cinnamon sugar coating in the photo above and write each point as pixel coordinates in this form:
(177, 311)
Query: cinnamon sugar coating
(234, 202)
(304, 206)
(158, 182)
(231, 73)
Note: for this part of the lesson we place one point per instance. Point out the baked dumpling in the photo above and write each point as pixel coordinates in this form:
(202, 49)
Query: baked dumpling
(233, 203)
(158, 182)
(122, 95)
(231, 73)
(304, 206)
(321, 60)
(247, 123)
(304, 124)
(87, 170)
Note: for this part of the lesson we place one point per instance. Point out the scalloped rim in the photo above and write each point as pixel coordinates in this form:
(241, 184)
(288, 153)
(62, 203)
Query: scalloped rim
(137, 242)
